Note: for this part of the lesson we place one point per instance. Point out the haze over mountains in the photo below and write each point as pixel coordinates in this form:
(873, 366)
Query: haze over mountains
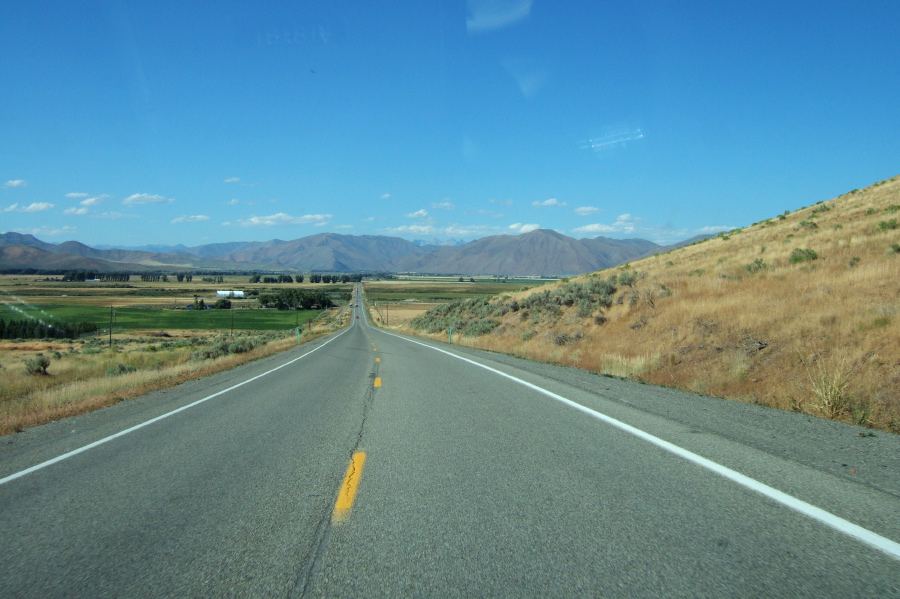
(540, 252)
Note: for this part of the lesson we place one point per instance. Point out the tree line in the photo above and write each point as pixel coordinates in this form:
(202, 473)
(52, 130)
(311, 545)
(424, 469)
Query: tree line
(84, 275)
(313, 278)
(33, 329)
(298, 299)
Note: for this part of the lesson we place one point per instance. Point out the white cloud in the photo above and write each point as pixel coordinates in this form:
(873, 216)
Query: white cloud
(344, 227)
(46, 231)
(712, 229)
(77, 194)
(486, 15)
(146, 198)
(115, 215)
(16, 183)
(197, 218)
(369, 220)
(501, 202)
(417, 214)
(595, 228)
(625, 223)
(523, 228)
(454, 231)
(232, 180)
(445, 205)
(233, 202)
(384, 196)
(550, 202)
(586, 210)
(33, 207)
(283, 219)
(75, 211)
(94, 201)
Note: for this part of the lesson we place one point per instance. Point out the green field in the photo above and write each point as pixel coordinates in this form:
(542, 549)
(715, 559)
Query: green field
(162, 319)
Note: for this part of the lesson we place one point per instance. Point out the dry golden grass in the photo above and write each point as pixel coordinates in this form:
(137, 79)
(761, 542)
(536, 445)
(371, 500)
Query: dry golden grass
(822, 337)
(80, 378)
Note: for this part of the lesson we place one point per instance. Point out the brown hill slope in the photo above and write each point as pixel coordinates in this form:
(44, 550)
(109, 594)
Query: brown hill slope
(329, 252)
(541, 252)
(23, 256)
(799, 312)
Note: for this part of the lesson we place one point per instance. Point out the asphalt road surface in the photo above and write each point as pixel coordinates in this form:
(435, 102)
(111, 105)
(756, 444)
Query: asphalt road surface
(366, 464)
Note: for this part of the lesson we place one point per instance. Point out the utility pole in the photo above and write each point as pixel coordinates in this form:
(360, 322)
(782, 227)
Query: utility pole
(110, 325)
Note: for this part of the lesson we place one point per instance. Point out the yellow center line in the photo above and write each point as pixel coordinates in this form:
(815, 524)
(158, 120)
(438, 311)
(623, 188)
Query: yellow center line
(378, 359)
(378, 381)
(348, 490)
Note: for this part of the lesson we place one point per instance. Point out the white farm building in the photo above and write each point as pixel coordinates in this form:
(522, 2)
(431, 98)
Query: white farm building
(233, 294)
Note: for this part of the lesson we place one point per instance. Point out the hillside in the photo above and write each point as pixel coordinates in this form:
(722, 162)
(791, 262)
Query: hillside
(798, 312)
(540, 252)
(27, 256)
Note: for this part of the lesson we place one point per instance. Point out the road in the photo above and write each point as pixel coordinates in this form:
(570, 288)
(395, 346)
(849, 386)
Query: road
(475, 475)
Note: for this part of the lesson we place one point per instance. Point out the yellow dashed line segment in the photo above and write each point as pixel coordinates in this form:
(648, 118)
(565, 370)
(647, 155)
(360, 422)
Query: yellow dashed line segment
(348, 490)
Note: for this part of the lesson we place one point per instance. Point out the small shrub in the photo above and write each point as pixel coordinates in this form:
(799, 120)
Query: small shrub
(808, 224)
(756, 266)
(241, 346)
(870, 212)
(600, 319)
(853, 261)
(887, 225)
(120, 369)
(896, 248)
(37, 366)
(528, 335)
(892, 208)
(802, 255)
(782, 217)
(562, 339)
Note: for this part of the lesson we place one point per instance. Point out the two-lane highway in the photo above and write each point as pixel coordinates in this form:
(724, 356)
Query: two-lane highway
(466, 481)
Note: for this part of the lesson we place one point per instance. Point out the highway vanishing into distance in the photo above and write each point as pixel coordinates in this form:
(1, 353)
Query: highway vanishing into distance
(368, 464)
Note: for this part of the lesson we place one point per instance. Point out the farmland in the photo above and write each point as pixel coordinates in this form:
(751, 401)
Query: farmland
(155, 342)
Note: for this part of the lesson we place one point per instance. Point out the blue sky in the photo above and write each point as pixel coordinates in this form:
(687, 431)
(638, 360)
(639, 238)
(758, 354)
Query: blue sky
(197, 122)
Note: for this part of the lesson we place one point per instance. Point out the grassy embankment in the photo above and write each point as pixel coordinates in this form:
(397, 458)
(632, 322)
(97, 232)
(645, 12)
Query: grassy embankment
(86, 374)
(798, 312)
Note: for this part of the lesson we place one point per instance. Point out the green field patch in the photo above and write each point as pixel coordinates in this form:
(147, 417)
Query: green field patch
(146, 318)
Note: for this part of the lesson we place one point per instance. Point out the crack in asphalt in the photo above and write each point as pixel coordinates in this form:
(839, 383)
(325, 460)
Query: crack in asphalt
(314, 559)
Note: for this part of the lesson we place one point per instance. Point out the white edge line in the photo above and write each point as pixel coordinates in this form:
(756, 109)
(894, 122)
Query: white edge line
(84, 448)
(859, 533)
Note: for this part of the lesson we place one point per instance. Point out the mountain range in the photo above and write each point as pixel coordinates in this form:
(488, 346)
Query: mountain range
(540, 252)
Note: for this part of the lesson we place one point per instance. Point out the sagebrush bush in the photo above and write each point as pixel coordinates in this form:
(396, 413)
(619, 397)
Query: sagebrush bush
(802, 255)
(120, 368)
(756, 266)
(37, 365)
